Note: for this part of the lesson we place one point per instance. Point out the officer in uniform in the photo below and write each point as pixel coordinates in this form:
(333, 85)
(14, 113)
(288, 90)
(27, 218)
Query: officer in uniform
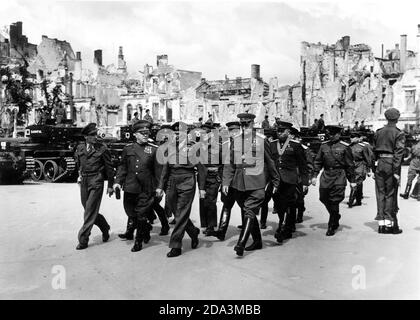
(138, 175)
(228, 200)
(246, 173)
(179, 180)
(94, 162)
(336, 158)
(413, 170)
(212, 161)
(301, 191)
(388, 147)
(362, 161)
(290, 160)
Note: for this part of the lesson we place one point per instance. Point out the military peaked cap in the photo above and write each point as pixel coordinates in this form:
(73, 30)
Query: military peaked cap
(90, 130)
(392, 114)
(142, 125)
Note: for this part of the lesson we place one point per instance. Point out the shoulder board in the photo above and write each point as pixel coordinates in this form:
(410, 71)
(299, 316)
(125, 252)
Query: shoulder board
(152, 144)
(325, 142)
(275, 140)
(304, 147)
(344, 143)
(261, 135)
(295, 141)
(128, 145)
(361, 144)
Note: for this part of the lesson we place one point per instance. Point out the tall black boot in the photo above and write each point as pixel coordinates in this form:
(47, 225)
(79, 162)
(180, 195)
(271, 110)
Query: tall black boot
(351, 197)
(247, 228)
(129, 233)
(406, 193)
(139, 237)
(395, 228)
(223, 224)
(278, 231)
(299, 218)
(256, 236)
(163, 219)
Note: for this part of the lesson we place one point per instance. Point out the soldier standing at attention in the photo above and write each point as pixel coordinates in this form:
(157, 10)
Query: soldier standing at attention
(94, 162)
(291, 163)
(228, 200)
(362, 161)
(336, 158)
(138, 176)
(179, 181)
(246, 173)
(388, 147)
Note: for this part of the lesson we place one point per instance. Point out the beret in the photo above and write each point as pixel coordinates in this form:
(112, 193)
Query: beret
(141, 125)
(246, 116)
(333, 129)
(392, 114)
(90, 130)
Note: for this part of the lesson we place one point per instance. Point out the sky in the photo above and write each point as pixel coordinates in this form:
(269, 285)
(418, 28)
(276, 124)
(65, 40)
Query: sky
(217, 38)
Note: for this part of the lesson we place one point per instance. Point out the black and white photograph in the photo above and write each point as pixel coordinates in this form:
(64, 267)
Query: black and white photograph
(209, 151)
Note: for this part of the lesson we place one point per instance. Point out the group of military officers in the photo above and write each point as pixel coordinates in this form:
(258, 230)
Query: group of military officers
(248, 166)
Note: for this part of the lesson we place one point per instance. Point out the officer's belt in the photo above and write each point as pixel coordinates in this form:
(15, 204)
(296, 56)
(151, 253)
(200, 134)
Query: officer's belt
(89, 174)
(385, 155)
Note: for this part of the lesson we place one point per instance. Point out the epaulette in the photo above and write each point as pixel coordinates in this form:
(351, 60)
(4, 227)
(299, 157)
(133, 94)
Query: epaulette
(295, 141)
(325, 142)
(362, 144)
(275, 140)
(261, 135)
(304, 147)
(345, 143)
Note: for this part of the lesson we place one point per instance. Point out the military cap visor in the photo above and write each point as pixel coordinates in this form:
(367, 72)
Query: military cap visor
(233, 125)
(284, 125)
(246, 117)
(141, 125)
(90, 130)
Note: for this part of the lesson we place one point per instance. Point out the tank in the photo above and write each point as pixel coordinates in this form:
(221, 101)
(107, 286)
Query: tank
(13, 168)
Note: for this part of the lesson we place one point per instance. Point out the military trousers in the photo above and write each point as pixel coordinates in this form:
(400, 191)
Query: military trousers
(138, 205)
(250, 201)
(386, 187)
(91, 191)
(180, 195)
(208, 205)
(331, 198)
(413, 170)
(285, 198)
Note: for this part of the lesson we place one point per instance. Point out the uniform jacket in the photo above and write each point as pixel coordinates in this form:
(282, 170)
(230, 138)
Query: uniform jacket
(244, 172)
(178, 161)
(336, 159)
(139, 170)
(391, 140)
(97, 160)
(362, 159)
(292, 163)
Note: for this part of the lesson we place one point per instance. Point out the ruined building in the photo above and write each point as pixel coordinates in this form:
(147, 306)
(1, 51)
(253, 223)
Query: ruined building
(224, 99)
(165, 91)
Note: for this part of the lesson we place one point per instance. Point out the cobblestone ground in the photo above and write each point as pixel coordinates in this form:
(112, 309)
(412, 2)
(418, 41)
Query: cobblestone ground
(38, 236)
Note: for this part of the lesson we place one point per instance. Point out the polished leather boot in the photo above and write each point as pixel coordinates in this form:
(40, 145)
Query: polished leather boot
(330, 231)
(395, 228)
(299, 217)
(351, 197)
(240, 246)
(223, 224)
(81, 246)
(406, 193)
(175, 252)
(129, 233)
(164, 231)
(146, 231)
(105, 234)
(194, 239)
(256, 236)
(138, 242)
(381, 229)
